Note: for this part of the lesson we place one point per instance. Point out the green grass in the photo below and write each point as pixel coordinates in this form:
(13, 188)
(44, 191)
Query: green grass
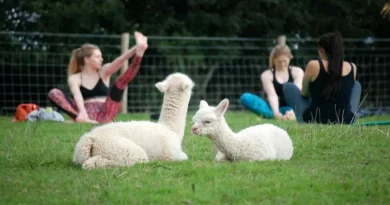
(331, 165)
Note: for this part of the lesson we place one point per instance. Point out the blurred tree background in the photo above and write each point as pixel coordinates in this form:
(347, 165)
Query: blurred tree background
(247, 18)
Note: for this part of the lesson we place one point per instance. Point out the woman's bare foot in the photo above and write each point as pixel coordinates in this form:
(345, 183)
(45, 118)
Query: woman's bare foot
(290, 115)
(85, 120)
(91, 121)
(142, 43)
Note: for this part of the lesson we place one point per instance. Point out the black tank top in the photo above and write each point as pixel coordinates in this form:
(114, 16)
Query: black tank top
(279, 87)
(336, 110)
(100, 90)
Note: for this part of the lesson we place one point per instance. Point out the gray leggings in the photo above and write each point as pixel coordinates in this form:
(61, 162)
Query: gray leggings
(299, 104)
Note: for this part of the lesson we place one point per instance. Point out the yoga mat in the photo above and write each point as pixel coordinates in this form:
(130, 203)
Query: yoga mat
(372, 123)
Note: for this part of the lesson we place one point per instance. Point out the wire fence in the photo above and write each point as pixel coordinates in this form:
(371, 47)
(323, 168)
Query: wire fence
(33, 63)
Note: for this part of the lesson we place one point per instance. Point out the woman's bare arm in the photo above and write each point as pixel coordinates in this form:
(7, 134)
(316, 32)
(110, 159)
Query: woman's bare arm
(110, 68)
(310, 72)
(273, 99)
(74, 86)
(354, 70)
(297, 74)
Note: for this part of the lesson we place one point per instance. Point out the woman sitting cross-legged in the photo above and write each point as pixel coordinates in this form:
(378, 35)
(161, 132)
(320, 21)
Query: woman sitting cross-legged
(93, 101)
(330, 92)
(273, 79)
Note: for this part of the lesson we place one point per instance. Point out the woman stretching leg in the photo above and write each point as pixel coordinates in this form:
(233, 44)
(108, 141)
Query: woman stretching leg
(92, 100)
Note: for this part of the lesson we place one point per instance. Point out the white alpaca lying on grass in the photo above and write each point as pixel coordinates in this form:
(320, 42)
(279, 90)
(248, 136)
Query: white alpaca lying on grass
(256, 143)
(127, 143)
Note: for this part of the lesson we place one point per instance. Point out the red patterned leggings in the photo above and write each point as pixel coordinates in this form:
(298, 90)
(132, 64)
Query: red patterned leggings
(101, 112)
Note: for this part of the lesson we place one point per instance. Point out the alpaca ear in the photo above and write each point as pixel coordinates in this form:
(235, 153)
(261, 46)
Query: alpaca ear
(185, 86)
(222, 106)
(203, 104)
(162, 86)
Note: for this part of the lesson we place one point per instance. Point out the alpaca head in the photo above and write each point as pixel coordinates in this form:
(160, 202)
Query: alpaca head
(208, 118)
(176, 82)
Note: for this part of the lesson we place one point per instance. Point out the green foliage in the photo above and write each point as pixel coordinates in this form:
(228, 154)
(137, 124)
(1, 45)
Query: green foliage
(87, 16)
(248, 18)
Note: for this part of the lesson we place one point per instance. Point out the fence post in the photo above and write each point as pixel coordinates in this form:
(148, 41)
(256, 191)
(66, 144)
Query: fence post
(282, 40)
(125, 39)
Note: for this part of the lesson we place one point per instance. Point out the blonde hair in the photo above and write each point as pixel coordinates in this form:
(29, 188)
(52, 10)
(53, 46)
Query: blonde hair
(77, 59)
(279, 50)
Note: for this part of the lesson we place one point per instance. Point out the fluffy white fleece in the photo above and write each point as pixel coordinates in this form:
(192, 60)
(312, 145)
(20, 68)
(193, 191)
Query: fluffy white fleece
(256, 143)
(127, 143)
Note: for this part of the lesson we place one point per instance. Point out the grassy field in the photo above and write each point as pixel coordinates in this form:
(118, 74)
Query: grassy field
(331, 165)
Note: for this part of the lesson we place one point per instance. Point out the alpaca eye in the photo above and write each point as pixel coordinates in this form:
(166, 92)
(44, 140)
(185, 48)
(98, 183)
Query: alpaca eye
(207, 122)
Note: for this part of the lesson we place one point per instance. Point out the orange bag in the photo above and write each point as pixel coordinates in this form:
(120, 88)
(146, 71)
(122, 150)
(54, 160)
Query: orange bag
(23, 110)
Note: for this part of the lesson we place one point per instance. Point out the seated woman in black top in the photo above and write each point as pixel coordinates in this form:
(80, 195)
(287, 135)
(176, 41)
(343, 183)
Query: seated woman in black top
(280, 72)
(330, 92)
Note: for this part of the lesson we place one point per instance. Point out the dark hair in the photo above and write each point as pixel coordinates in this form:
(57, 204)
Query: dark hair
(332, 43)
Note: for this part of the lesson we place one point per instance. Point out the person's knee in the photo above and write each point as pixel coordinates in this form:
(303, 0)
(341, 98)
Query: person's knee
(288, 87)
(54, 92)
(290, 90)
(245, 98)
(116, 94)
(357, 85)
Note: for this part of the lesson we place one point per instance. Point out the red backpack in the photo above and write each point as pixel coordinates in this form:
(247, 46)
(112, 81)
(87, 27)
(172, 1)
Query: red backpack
(23, 110)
